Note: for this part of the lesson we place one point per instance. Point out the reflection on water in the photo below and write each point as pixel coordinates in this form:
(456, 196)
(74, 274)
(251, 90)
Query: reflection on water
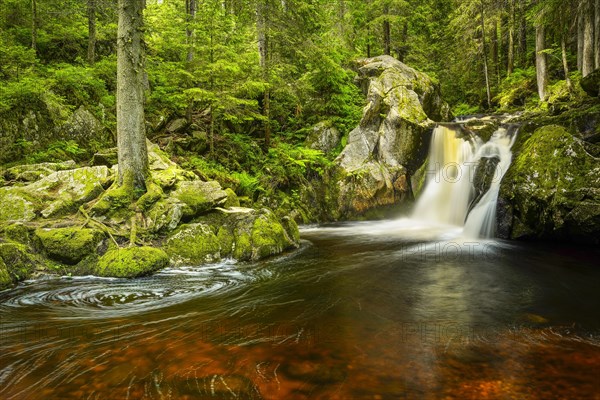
(392, 310)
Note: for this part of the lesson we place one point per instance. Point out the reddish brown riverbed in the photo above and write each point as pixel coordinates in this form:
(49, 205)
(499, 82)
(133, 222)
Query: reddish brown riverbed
(355, 314)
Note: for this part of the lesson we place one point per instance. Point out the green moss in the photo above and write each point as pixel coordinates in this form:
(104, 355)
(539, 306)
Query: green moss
(69, 245)
(268, 237)
(291, 228)
(553, 185)
(199, 196)
(152, 195)
(5, 279)
(17, 233)
(243, 246)
(18, 261)
(193, 244)
(17, 205)
(131, 262)
(226, 241)
(232, 199)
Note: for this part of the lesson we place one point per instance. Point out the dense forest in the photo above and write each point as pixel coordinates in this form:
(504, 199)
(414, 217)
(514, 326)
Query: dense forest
(233, 89)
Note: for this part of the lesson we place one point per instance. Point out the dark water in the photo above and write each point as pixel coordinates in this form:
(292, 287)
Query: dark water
(362, 311)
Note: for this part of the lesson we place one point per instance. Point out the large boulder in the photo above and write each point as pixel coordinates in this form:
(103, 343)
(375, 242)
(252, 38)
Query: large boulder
(131, 262)
(551, 190)
(16, 263)
(392, 139)
(240, 233)
(69, 245)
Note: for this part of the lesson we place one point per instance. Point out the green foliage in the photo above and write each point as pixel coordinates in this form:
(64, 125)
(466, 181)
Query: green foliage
(56, 151)
(518, 89)
(465, 109)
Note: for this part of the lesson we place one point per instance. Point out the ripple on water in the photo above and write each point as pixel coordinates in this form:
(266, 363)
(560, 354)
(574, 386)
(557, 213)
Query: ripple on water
(110, 297)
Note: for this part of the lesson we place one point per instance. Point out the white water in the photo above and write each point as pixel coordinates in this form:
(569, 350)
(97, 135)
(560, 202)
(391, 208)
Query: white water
(449, 188)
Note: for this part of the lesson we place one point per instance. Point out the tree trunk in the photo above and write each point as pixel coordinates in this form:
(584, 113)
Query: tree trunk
(587, 66)
(540, 61)
(386, 32)
(91, 11)
(34, 25)
(403, 50)
(495, 50)
(189, 33)
(523, 37)
(580, 34)
(131, 132)
(485, 63)
(263, 43)
(510, 61)
(597, 34)
(563, 46)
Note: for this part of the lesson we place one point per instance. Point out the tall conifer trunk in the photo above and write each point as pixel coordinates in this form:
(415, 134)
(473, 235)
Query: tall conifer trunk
(131, 132)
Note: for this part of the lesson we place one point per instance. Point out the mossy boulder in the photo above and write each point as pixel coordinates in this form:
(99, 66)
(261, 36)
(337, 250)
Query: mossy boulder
(391, 142)
(64, 191)
(591, 83)
(551, 190)
(34, 172)
(18, 232)
(199, 196)
(18, 205)
(240, 233)
(232, 199)
(131, 262)
(323, 136)
(69, 245)
(193, 244)
(164, 215)
(16, 262)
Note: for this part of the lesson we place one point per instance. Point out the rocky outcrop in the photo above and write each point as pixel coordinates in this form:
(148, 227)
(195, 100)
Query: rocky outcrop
(392, 139)
(76, 222)
(551, 190)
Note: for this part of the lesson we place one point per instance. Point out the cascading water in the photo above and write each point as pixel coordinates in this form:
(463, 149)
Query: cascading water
(450, 196)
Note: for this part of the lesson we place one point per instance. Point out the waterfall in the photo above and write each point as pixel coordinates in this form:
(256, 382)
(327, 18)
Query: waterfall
(463, 179)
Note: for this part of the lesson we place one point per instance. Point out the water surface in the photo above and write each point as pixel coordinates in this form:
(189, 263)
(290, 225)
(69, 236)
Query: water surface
(374, 310)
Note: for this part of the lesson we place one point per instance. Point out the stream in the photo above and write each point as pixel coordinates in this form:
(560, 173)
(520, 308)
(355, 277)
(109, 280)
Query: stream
(371, 310)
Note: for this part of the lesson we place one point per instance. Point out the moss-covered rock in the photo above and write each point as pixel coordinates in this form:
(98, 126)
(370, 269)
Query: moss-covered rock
(5, 279)
(232, 199)
(131, 262)
(18, 232)
(64, 191)
(69, 245)
(193, 244)
(34, 172)
(18, 262)
(551, 190)
(17, 205)
(323, 136)
(199, 196)
(391, 142)
(164, 215)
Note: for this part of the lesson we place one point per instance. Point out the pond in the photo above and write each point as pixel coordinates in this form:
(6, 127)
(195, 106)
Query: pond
(369, 310)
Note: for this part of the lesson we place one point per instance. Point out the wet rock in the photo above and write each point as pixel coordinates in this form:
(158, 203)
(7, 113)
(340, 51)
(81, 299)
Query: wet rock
(69, 245)
(131, 262)
(483, 178)
(551, 190)
(193, 244)
(241, 233)
(323, 136)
